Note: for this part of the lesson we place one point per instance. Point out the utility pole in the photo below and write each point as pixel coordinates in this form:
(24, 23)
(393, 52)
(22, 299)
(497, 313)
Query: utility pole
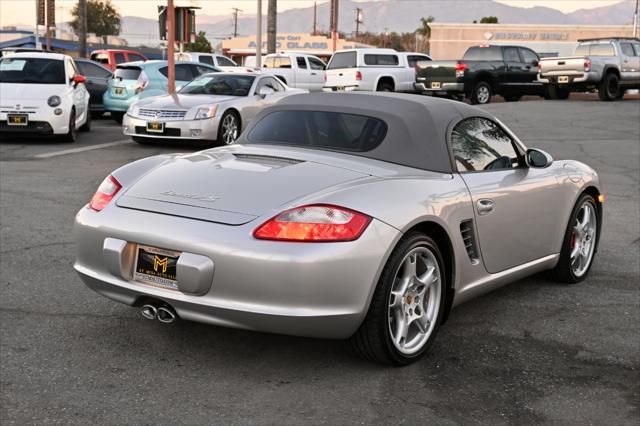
(51, 20)
(272, 24)
(235, 21)
(171, 42)
(259, 36)
(334, 31)
(358, 20)
(635, 21)
(82, 5)
(315, 6)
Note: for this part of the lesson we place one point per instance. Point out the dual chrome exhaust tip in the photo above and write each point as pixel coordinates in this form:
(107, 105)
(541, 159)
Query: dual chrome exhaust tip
(164, 313)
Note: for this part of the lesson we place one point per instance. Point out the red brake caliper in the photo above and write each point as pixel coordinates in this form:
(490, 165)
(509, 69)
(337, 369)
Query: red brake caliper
(573, 240)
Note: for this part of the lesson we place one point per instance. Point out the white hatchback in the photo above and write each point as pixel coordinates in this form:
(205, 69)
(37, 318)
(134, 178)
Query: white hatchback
(42, 93)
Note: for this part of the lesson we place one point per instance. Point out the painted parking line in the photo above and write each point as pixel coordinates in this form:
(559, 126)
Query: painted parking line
(82, 149)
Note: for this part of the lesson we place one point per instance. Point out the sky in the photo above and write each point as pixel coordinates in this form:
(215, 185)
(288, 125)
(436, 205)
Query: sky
(22, 12)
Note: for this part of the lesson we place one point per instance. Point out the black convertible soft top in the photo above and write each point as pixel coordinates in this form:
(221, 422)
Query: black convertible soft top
(417, 124)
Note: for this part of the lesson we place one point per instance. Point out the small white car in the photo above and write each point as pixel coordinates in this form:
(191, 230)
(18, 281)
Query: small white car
(299, 70)
(42, 93)
(373, 70)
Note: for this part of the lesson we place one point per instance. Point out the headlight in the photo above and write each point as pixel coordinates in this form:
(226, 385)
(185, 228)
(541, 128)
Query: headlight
(206, 112)
(54, 101)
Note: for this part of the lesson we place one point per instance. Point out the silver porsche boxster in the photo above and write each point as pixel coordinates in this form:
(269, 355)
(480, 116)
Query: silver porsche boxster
(213, 108)
(340, 215)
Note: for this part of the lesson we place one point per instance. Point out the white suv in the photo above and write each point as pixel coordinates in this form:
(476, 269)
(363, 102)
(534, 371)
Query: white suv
(42, 93)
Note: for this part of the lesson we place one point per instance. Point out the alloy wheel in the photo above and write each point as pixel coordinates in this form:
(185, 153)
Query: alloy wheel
(229, 129)
(583, 239)
(414, 301)
(483, 94)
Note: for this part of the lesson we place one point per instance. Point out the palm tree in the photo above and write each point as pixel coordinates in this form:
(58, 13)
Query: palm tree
(425, 31)
(272, 14)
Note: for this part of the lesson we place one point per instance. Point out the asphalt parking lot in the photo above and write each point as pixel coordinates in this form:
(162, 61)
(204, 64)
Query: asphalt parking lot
(531, 352)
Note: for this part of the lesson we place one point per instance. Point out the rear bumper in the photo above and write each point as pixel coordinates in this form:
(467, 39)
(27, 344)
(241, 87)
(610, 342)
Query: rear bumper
(572, 78)
(316, 290)
(341, 88)
(445, 88)
(117, 104)
(182, 129)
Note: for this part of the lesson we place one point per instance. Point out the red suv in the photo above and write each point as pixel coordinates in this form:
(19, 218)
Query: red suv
(112, 57)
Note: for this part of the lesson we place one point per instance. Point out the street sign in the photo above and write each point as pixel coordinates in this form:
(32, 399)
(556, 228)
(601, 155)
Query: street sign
(185, 23)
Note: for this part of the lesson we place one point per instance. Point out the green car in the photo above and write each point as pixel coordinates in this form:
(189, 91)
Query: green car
(136, 80)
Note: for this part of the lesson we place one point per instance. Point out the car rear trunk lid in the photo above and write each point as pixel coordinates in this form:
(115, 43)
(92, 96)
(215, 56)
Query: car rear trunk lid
(229, 188)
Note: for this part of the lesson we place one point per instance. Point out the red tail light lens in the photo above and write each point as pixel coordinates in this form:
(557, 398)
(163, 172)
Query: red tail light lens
(358, 75)
(105, 193)
(587, 64)
(315, 223)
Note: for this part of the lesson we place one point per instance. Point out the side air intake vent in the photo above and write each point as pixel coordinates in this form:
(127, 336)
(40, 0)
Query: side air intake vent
(469, 238)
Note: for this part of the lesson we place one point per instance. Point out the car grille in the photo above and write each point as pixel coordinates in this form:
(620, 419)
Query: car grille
(141, 130)
(468, 236)
(164, 113)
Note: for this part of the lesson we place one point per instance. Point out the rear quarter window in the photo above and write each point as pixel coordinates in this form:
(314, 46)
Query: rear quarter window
(320, 129)
(384, 60)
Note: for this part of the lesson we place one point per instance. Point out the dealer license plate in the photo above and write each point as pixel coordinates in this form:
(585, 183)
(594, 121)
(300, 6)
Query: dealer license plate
(17, 119)
(156, 266)
(563, 79)
(435, 85)
(155, 127)
(118, 90)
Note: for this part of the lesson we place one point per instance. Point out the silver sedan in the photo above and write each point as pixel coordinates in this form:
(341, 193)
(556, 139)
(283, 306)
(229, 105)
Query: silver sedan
(214, 108)
(340, 215)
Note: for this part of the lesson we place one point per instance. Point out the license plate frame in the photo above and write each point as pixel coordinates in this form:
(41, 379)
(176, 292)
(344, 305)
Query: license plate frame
(155, 127)
(17, 119)
(563, 79)
(157, 267)
(436, 85)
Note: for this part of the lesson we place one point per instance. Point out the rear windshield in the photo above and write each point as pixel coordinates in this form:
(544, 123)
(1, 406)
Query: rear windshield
(320, 129)
(599, 49)
(343, 60)
(219, 84)
(489, 53)
(127, 73)
(32, 70)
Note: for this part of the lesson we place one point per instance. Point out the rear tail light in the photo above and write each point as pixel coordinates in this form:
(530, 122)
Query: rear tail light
(539, 67)
(460, 68)
(325, 77)
(358, 76)
(105, 193)
(587, 64)
(314, 223)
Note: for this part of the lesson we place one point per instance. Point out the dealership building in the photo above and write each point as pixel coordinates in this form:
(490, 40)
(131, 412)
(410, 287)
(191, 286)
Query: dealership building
(449, 41)
(241, 47)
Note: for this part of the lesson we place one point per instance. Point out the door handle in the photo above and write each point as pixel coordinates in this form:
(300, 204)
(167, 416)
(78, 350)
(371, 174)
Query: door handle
(313, 73)
(485, 206)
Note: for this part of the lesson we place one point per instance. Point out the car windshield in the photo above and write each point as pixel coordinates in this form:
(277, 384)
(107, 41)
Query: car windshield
(320, 129)
(228, 85)
(32, 70)
(343, 60)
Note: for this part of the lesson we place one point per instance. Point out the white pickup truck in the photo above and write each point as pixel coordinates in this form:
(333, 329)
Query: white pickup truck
(382, 70)
(298, 70)
(218, 61)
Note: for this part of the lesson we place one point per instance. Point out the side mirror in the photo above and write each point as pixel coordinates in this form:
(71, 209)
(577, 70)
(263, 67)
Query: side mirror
(264, 91)
(77, 79)
(538, 158)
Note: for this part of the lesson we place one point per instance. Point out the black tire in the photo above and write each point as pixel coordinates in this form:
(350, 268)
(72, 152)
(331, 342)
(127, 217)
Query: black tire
(97, 114)
(72, 134)
(621, 93)
(384, 86)
(563, 272)
(117, 116)
(372, 340)
(86, 127)
(609, 88)
(512, 98)
(219, 139)
(481, 94)
(557, 93)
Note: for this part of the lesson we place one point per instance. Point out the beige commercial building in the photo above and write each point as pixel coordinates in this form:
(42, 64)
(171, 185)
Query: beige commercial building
(450, 41)
(241, 47)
